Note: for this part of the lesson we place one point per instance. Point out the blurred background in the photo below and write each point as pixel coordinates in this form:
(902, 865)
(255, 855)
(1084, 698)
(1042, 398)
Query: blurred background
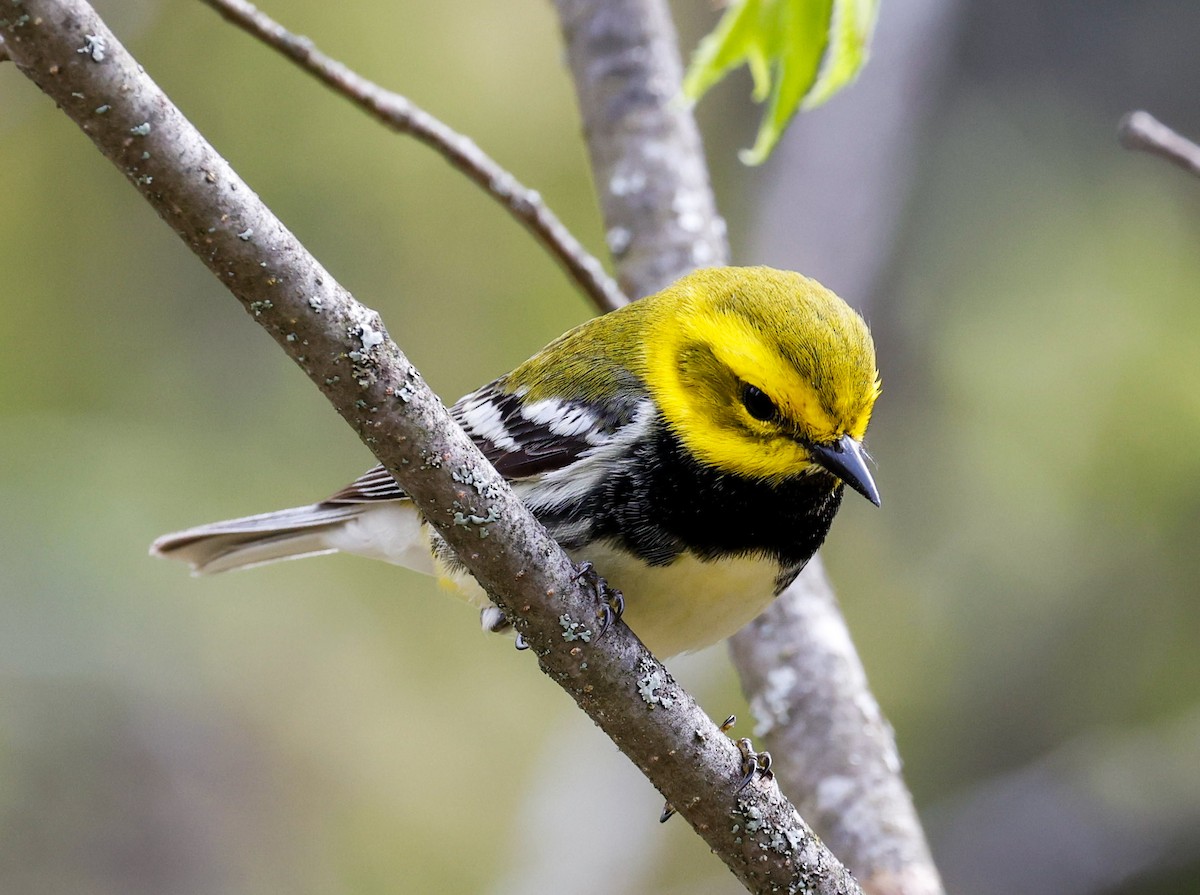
(1025, 602)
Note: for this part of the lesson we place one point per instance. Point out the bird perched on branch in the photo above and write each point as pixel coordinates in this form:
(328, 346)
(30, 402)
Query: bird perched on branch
(692, 446)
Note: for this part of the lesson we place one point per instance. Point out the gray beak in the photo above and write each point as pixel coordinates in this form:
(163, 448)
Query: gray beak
(846, 460)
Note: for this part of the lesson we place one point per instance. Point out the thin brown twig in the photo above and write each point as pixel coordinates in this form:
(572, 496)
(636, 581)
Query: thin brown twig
(403, 116)
(1141, 130)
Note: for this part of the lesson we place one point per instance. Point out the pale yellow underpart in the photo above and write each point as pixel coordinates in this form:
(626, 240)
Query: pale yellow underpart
(678, 608)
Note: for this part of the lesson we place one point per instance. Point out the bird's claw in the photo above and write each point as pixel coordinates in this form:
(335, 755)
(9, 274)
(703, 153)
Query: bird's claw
(611, 600)
(610, 610)
(753, 763)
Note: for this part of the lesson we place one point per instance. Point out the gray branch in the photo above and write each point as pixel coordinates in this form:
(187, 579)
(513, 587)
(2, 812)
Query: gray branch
(662, 221)
(342, 346)
(647, 158)
(1141, 130)
(809, 695)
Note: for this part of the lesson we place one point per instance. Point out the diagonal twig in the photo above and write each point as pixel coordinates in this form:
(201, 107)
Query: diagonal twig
(1141, 130)
(402, 115)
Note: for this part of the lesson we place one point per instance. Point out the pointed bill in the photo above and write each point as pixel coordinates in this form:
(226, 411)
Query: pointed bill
(846, 459)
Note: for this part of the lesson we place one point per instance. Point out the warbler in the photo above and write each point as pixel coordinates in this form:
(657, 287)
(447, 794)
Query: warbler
(692, 446)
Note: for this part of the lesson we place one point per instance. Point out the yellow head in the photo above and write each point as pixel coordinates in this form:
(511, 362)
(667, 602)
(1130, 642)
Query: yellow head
(762, 373)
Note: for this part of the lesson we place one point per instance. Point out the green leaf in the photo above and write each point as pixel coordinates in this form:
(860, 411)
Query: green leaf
(800, 53)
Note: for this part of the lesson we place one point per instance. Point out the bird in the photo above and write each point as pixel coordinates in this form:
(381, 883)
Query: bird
(691, 447)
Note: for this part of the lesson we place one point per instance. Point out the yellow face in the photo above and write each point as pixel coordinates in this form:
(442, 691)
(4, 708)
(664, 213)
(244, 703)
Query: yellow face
(751, 366)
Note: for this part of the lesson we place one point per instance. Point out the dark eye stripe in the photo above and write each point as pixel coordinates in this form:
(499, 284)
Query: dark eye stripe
(757, 404)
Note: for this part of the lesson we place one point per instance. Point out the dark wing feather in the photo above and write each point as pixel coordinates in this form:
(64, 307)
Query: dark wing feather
(538, 449)
(374, 485)
(519, 444)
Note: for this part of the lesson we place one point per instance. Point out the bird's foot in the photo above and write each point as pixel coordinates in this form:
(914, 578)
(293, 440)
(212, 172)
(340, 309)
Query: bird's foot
(611, 600)
(753, 764)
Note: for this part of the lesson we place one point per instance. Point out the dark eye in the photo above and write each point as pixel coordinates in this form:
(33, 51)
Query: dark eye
(757, 404)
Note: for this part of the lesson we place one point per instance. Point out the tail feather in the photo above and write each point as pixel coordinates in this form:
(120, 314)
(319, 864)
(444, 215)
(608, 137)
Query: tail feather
(256, 540)
(390, 530)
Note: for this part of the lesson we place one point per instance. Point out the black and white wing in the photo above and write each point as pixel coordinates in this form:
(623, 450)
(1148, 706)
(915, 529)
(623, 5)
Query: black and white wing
(376, 484)
(523, 439)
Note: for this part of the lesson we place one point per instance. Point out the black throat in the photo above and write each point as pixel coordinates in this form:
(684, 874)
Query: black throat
(661, 502)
